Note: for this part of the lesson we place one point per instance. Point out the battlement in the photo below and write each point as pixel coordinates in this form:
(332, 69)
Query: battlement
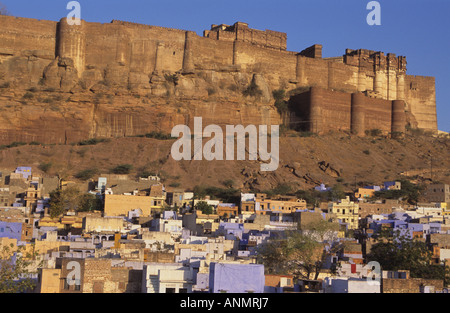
(375, 60)
(240, 31)
(145, 26)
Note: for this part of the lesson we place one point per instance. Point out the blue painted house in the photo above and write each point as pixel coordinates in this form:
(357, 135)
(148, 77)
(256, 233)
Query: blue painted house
(25, 171)
(11, 230)
(236, 278)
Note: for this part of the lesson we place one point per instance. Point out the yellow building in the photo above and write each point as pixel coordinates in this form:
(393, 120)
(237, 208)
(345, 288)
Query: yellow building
(7, 247)
(102, 224)
(288, 206)
(227, 210)
(262, 204)
(50, 280)
(208, 218)
(445, 208)
(345, 211)
(31, 197)
(120, 205)
(364, 193)
(47, 246)
(73, 221)
(47, 221)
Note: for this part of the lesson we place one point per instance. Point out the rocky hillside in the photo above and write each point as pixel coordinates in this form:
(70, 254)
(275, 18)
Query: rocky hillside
(336, 158)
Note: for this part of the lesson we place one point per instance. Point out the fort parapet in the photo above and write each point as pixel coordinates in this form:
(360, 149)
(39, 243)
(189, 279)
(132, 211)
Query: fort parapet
(136, 56)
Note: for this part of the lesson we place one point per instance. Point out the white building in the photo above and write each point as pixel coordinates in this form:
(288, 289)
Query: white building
(167, 278)
(350, 285)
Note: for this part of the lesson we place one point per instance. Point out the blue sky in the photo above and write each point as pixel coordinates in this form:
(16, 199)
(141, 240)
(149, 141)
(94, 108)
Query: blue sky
(417, 29)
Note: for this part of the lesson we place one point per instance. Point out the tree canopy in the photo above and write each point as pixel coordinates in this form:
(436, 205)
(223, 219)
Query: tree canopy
(15, 273)
(300, 253)
(204, 207)
(409, 192)
(403, 253)
(71, 198)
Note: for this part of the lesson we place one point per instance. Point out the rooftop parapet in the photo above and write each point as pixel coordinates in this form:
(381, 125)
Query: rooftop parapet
(376, 59)
(240, 31)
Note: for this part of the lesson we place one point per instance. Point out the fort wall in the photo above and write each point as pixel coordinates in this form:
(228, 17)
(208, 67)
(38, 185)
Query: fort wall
(136, 57)
(322, 110)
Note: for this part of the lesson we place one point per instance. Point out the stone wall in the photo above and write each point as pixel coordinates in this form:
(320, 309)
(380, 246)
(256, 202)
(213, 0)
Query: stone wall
(411, 285)
(322, 110)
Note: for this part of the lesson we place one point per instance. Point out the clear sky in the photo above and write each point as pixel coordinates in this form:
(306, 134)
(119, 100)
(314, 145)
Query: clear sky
(417, 29)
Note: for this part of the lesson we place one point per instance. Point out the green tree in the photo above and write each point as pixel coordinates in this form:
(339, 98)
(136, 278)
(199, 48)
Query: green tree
(336, 193)
(62, 200)
(299, 253)
(280, 189)
(122, 169)
(228, 183)
(312, 197)
(86, 174)
(228, 195)
(88, 202)
(402, 253)
(409, 192)
(15, 272)
(204, 207)
(45, 167)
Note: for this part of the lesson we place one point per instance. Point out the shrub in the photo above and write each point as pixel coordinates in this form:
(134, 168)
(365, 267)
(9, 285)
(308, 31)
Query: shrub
(228, 183)
(47, 100)
(45, 167)
(145, 174)
(252, 90)
(305, 134)
(374, 132)
(204, 207)
(171, 78)
(211, 91)
(122, 169)
(280, 189)
(92, 141)
(228, 195)
(5, 85)
(13, 145)
(158, 135)
(86, 174)
(279, 94)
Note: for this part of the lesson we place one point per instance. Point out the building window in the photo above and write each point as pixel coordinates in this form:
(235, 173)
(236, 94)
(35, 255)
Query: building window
(170, 290)
(183, 290)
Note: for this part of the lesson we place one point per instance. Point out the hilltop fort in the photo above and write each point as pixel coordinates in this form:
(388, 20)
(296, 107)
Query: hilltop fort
(63, 83)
